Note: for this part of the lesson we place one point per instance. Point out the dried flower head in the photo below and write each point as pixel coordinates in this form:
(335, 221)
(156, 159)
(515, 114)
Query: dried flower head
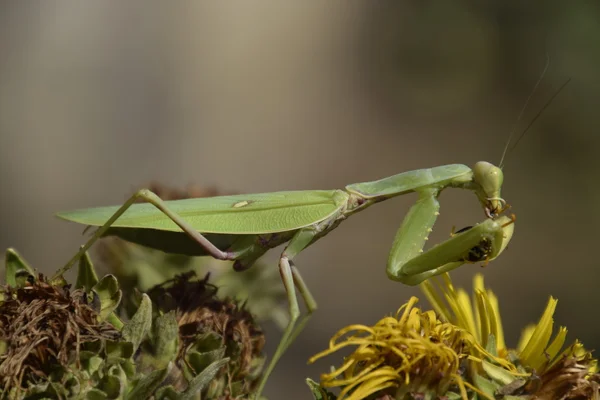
(204, 320)
(42, 327)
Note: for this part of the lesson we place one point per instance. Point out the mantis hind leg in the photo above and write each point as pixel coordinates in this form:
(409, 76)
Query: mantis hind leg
(156, 201)
(291, 278)
(410, 265)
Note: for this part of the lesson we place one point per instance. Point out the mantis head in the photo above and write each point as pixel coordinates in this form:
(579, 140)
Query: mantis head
(488, 180)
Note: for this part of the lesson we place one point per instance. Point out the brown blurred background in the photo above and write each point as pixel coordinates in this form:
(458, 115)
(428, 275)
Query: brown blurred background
(97, 98)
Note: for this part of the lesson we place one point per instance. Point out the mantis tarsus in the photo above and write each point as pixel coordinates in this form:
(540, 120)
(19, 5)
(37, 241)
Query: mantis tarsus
(242, 228)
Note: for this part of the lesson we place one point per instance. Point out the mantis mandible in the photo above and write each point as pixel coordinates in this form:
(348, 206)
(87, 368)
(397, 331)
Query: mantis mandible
(242, 228)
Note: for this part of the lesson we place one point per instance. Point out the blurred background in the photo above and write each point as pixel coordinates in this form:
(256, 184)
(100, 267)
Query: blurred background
(98, 98)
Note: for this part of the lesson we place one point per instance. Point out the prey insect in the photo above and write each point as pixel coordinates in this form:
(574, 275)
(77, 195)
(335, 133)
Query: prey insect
(242, 228)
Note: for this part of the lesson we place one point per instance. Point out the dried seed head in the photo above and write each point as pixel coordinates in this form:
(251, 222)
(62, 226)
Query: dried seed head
(568, 379)
(199, 312)
(42, 327)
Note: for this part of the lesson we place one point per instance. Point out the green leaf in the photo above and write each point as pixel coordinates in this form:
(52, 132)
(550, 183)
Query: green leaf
(114, 382)
(109, 294)
(498, 374)
(94, 347)
(485, 385)
(165, 337)
(201, 361)
(46, 390)
(491, 346)
(238, 388)
(129, 368)
(118, 349)
(115, 321)
(452, 396)
(512, 387)
(197, 384)
(167, 393)
(144, 387)
(92, 364)
(139, 325)
(207, 348)
(72, 387)
(208, 341)
(96, 394)
(86, 275)
(17, 269)
(318, 392)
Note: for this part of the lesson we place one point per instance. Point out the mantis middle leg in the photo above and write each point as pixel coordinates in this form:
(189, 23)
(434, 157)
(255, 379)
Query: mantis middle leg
(291, 278)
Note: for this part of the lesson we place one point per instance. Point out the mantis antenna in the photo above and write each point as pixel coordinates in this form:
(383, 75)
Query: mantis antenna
(512, 131)
(507, 147)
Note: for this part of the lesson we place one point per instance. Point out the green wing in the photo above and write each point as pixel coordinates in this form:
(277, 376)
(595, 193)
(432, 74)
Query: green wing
(240, 214)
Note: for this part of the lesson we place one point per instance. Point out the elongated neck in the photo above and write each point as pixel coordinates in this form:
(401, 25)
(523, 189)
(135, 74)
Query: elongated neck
(454, 175)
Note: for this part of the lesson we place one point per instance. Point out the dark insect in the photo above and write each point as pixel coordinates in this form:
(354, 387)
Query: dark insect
(481, 252)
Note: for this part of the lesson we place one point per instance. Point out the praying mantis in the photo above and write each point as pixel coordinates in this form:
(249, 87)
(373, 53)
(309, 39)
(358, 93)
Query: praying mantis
(242, 228)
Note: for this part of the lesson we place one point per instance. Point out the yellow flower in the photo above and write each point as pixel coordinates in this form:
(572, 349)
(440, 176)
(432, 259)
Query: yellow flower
(458, 347)
(536, 351)
(412, 352)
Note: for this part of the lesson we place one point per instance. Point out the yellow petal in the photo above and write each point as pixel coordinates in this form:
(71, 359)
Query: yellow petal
(541, 335)
(461, 315)
(407, 308)
(495, 310)
(484, 325)
(467, 311)
(525, 336)
(478, 286)
(552, 350)
(435, 300)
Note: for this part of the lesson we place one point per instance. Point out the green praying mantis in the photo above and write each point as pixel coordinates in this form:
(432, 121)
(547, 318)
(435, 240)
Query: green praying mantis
(242, 228)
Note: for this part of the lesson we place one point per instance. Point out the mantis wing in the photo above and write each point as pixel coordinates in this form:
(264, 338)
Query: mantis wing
(240, 214)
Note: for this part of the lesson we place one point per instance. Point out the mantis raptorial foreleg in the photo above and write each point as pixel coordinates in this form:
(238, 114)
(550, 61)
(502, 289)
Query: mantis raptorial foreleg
(408, 263)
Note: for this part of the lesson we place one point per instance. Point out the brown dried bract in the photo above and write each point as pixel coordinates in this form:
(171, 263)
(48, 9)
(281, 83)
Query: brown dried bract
(199, 310)
(568, 379)
(43, 327)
